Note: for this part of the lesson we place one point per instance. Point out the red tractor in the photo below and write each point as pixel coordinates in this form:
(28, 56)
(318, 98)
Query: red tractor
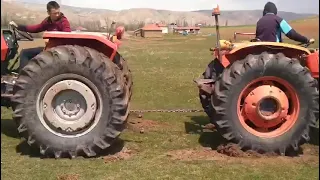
(264, 96)
(73, 98)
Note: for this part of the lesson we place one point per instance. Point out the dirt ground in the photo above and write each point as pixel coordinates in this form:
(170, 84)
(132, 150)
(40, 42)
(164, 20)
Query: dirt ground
(68, 177)
(232, 153)
(137, 123)
(124, 154)
(224, 152)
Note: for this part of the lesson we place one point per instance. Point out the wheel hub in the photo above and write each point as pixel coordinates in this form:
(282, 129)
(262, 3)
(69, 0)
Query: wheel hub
(69, 105)
(70, 108)
(266, 106)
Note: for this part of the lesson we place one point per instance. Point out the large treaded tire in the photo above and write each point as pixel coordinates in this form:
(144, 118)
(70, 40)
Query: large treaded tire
(83, 61)
(239, 74)
(213, 71)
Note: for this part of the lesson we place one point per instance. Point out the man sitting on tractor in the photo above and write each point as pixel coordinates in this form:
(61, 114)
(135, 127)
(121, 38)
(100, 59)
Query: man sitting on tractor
(270, 26)
(56, 21)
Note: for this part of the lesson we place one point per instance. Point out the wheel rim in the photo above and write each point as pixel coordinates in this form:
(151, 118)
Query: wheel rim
(69, 105)
(268, 107)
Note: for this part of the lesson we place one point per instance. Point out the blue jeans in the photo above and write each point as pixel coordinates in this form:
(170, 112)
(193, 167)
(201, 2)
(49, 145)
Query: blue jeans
(27, 54)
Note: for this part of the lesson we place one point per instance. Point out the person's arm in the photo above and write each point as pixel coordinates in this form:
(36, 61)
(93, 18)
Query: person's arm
(65, 25)
(291, 33)
(33, 28)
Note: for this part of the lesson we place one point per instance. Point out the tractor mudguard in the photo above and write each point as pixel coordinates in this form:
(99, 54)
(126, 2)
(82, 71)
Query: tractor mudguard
(97, 41)
(275, 45)
(240, 50)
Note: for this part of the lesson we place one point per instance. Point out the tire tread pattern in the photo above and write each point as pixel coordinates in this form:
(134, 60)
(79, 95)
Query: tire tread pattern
(233, 74)
(110, 74)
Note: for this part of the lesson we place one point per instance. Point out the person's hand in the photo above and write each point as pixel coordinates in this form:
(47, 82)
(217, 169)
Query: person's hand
(311, 41)
(12, 23)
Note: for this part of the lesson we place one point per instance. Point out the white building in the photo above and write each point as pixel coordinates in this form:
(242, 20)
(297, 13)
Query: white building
(164, 28)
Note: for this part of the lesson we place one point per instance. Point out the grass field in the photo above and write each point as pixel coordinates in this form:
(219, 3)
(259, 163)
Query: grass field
(173, 146)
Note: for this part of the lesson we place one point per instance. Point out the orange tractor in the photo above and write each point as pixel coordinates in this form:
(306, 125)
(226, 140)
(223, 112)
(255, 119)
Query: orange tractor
(72, 99)
(264, 96)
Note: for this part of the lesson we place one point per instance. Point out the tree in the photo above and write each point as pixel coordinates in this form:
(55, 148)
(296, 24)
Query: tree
(185, 23)
(141, 24)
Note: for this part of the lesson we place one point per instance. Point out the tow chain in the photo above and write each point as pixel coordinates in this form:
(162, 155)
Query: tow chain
(152, 110)
(167, 110)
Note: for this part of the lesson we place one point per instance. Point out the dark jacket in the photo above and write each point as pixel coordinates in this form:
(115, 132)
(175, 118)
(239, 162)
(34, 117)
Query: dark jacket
(62, 24)
(270, 27)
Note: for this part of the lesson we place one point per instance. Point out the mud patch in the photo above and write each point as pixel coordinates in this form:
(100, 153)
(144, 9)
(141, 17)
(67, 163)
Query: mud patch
(143, 125)
(124, 154)
(233, 150)
(195, 154)
(68, 177)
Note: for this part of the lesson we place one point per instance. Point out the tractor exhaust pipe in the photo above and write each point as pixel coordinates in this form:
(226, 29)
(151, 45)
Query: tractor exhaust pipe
(216, 13)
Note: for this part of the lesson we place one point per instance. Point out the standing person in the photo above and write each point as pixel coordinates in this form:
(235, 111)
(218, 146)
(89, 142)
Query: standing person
(270, 27)
(56, 21)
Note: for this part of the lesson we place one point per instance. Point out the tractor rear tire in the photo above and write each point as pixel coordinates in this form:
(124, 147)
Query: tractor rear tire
(239, 75)
(213, 71)
(79, 65)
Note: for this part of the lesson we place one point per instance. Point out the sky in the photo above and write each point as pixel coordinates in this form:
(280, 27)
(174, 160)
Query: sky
(299, 6)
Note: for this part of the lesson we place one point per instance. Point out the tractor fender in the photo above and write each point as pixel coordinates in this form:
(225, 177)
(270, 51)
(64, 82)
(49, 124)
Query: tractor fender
(241, 50)
(97, 41)
(270, 45)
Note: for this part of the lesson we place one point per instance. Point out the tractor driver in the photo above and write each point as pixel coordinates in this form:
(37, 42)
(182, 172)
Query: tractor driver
(270, 26)
(56, 21)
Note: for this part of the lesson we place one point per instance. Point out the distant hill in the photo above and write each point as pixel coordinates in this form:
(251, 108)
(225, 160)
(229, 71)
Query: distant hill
(253, 15)
(35, 12)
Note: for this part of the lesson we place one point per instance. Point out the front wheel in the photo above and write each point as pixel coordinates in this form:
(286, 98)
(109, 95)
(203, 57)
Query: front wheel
(266, 102)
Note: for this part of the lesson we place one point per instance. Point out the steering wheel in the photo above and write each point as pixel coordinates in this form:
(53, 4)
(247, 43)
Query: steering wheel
(20, 34)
